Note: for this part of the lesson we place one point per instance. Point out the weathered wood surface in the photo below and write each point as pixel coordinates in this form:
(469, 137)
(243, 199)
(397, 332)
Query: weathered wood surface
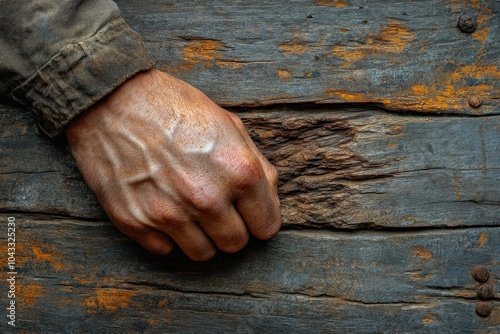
(347, 168)
(403, 55)
(83, 276)
(344, 168)
(385, 213)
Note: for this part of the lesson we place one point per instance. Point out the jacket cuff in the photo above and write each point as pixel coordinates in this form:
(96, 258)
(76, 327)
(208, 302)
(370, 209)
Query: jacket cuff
(81, 74)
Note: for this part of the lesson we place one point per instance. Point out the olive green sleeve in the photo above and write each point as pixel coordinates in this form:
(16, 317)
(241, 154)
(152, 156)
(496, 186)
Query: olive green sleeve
(57, 58)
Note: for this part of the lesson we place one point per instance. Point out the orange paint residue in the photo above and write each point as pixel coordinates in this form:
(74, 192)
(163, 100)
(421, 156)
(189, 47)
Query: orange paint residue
(109, 299)
(298, 45)
(350, 53)
(420, 90)
(482, 11)
(458, 6)
(334, 3)
(440, 90)
(293, 47)
(51, 256)
(203, 51)
(450, 90)
(481, 34)
(395, 37)
(29, 293)
(207, 53)
(422, 252)
(429, 318)
(347, 96)
(475, 71)
(284, 74)
(392, 39)
(482, 239)
(356, 97)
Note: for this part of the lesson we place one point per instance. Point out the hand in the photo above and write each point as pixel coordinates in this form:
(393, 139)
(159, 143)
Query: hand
(168, 165)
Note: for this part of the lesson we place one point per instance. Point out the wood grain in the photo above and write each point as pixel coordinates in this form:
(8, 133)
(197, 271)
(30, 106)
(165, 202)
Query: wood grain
(402, 55)
(383, 120)
(318, 282)
(339, 168)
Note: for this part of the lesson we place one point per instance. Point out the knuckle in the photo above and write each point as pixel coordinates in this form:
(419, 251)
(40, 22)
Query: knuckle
(237, 122)
(167, 215)
(273, 175)
(248, 172)
(203, 201)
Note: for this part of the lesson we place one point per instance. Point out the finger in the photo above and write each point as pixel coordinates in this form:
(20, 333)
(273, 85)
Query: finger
(191, 239)
(269, 170)
(226, 228)
(147, 236)
(156, 242)
(256, 202)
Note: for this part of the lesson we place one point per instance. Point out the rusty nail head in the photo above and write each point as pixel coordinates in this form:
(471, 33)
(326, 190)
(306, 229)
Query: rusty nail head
(480, 274)
(474, 101)
(485, 291)
(467, 22)
(483, 309)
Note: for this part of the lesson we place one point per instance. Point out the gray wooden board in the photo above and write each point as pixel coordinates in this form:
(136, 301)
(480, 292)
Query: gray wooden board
(339, 168)
(404, 55)
(75, 276)
(431, 184)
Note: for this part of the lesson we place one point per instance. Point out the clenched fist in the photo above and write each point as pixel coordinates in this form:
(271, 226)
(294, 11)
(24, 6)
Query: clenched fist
(168, 165)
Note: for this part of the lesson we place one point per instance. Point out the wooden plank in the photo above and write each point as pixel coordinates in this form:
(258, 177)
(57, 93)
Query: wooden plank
(402, 55)
(341, 168)
(86, 276)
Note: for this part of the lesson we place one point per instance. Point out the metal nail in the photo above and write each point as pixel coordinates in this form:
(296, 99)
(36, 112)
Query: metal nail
(475, 101)
(467, 22)
(483, 309)
(485, 291)
(480, 274)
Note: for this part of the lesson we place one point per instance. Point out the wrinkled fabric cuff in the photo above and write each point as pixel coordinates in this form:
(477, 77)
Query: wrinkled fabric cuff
(81, 74)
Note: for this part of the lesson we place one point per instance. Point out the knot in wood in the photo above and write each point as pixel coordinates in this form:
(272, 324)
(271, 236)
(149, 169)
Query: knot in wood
(467, 22)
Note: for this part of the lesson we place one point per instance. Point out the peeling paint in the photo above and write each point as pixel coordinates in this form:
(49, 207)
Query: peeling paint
(207, 53)
(29, 293)
(334, 3)
(422, 252)
(482, 239)
(108, 299)
(429, 318)
(52, 257)
(394, 38)
(450, 90)
(284, 74)
(294, 47)
(203, 51)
